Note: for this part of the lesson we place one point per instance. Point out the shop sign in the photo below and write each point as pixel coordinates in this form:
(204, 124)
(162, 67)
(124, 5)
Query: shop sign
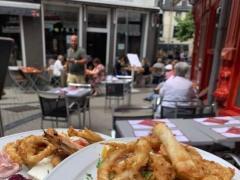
(131, 3)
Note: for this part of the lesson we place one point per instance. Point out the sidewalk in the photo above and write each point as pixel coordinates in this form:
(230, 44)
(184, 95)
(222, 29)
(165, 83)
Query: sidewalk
(21, 112)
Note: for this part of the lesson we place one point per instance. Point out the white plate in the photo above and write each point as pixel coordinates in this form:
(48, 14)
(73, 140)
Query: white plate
(11, 138)
(77, 166)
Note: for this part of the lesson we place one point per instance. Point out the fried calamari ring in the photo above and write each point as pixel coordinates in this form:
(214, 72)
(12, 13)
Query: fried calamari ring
(12, 150)
(35, 148)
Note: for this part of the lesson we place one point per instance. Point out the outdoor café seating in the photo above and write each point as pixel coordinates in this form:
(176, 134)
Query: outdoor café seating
(183, 109)
(18, 78)
(55, 108)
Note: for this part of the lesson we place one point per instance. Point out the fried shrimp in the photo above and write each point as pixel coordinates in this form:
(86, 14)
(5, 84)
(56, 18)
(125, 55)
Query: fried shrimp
(34, 148)
(12, 150)
(87, 134)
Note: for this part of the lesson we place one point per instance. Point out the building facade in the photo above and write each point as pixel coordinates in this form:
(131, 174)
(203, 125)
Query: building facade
(106, 29)
(216, 54)
(167, 32)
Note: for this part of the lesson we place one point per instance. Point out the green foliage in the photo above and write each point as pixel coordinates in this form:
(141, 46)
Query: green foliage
(185, 27)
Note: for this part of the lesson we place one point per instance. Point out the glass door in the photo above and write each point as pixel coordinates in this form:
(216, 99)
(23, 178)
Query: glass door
(98, 30)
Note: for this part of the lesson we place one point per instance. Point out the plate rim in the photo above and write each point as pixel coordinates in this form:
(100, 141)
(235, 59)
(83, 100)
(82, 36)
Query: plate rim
(13, 137)
(52, 174)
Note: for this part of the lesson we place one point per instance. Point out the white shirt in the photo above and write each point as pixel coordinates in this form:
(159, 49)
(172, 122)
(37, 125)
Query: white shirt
(177, 89)
(57, 68)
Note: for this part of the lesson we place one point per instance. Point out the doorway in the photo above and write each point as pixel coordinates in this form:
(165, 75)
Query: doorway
(97, 45)
(98, 33)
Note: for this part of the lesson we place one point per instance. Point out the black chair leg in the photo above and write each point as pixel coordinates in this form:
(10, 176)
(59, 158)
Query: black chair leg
(42, 122)
(89, 118)
(57, 122)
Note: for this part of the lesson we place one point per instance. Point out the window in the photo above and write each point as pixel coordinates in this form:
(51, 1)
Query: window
(97, 19)
(175, 31)
(60, 23)
(179, 4)
(161, 31)
(178, 14)
(130, 32)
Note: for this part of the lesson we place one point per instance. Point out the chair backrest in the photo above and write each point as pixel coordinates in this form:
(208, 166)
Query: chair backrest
(83, 103)
(51, 103)
(182, 109)
(115, 89)
(206, 111)
(185, 112)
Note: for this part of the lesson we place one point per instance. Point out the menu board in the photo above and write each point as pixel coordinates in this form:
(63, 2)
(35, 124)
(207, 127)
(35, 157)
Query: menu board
(134, 60)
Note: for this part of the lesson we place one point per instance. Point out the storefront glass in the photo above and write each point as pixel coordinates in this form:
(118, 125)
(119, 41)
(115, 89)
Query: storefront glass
(10, 27)
(97, 18)
(130, 33)
(60, 23)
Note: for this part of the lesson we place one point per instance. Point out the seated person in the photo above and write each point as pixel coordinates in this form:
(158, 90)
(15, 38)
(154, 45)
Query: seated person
(122, 66)
(97, 74)
(168, 74)
(177, 89)
(143, 74)
(49, 68)
(158, 71)
(58, 68)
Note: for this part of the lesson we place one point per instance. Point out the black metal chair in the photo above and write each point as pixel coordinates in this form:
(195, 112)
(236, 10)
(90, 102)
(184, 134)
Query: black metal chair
(131, 113)
(114, 91)
(84, 103)
(18, 78)
(187, 109)
(55, 107)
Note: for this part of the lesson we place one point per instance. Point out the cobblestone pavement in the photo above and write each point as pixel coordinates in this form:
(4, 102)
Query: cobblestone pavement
(21, 112)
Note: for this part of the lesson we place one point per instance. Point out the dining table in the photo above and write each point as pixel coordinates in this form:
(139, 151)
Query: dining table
(32, 74)
(198, 131)
(77, 96)
(126, 82)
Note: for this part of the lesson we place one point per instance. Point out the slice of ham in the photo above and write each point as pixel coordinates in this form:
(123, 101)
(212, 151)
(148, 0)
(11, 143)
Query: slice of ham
(7, 167)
